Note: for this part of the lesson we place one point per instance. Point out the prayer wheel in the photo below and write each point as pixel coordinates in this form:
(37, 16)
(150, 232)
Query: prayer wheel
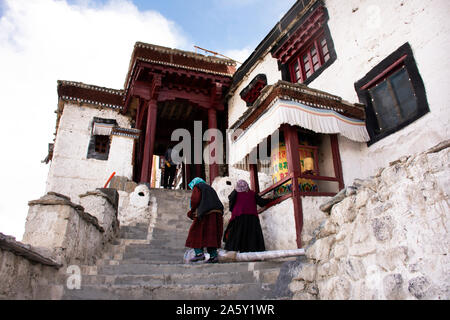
(279, 168)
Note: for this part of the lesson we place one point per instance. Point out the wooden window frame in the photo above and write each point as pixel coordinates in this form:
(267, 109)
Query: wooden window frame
(402, 58)
(93, 152)
(314, 43)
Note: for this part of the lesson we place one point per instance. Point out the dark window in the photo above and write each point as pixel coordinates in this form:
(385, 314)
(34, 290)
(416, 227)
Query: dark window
(99, 143)
(393, 93)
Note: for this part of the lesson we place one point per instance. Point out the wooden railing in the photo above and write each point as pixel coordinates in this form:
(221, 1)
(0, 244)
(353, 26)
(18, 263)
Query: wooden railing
(272, 188)
(288, 178)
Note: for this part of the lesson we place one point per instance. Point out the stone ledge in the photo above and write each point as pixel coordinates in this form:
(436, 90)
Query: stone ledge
(9, 243)
(55, 199)
(439, 147)
(110, 194)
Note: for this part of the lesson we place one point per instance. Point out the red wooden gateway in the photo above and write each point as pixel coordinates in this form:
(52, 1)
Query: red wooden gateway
(168, 89)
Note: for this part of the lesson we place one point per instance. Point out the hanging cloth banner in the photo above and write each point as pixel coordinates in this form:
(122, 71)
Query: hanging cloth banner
(102, 129)
(296, 114)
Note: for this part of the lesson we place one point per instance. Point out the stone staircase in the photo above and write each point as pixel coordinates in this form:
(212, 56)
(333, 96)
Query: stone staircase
(146, 262)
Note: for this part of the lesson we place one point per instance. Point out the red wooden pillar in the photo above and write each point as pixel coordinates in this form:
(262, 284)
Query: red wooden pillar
(149, 141)
(254, 182)
(187, 175)
(337, 160)
(293, 160)
(212, 124)
(198, 170)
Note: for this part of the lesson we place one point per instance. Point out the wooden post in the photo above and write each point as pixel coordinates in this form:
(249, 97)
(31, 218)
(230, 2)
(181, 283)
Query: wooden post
(198, 170)
(212, 124)
(337, 160)
(150, 132)
(293, 160)
(187, 175)
(254, 182)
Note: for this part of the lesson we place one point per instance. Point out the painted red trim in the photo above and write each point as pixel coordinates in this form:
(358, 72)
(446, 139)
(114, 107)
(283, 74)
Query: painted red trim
(276, 185)
(318, 194)
(293, 160)
(302, 35)
(337, 160)
(187, 175)
(149, 141)
(324, 178)
(212, 124)
(383, 74)
(314, 42)
(254, 181)
(275, 202)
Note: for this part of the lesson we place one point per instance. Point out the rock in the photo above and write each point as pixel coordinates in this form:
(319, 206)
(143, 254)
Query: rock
(382, 228)
(391, 258)
(308, 273)
(439, 147)
(419, 287)
(354, 268)
(327, 269)
(361, 199)
(363, 249)
(393, 287)
(327, 229)
(320, 250)
(326, 207)
(344, 212)
(297, 285)
(341, 289)
(340, 251)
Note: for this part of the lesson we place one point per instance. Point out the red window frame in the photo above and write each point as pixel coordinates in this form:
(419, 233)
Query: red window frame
(309, 60)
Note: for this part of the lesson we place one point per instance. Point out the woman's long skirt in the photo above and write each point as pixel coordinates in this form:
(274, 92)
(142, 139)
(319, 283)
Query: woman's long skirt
(244, 234)
(206, 233)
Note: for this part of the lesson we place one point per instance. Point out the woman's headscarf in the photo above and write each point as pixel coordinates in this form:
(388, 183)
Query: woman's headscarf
(242, 186)
(196, 181)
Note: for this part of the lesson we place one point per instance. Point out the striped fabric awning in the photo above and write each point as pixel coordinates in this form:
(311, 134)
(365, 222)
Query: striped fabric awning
(296, 114)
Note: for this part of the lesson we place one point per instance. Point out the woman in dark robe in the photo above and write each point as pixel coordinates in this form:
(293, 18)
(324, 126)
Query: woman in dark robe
(244, 233)
(207, 226)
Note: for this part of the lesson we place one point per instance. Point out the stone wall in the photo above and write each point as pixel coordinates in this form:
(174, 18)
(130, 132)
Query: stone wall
(387, 240)
(23, 270)
(66, 232)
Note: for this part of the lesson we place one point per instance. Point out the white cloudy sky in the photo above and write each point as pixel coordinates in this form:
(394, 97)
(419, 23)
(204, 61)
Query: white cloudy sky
(42, 41)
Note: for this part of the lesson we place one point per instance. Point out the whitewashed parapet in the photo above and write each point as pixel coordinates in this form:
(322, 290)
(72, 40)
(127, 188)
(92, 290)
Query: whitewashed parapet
(103, 204)
(65, 229)
(387, 240)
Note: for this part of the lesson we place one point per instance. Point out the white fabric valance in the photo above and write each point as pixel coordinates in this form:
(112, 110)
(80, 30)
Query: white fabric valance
(296, 114)
(102, 129)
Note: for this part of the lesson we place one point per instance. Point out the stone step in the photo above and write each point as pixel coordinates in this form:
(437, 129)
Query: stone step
(153, 254)
(139, 231)
(253, 291)
(263, 276)
(146, 268)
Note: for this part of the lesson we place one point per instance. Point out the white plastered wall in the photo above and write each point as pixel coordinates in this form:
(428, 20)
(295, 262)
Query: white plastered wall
(267, 66)
(71, 173)
(374, 29)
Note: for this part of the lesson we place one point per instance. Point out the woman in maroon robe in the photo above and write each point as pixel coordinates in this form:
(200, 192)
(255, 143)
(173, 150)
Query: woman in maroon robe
(244, 233)
(207, 226)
